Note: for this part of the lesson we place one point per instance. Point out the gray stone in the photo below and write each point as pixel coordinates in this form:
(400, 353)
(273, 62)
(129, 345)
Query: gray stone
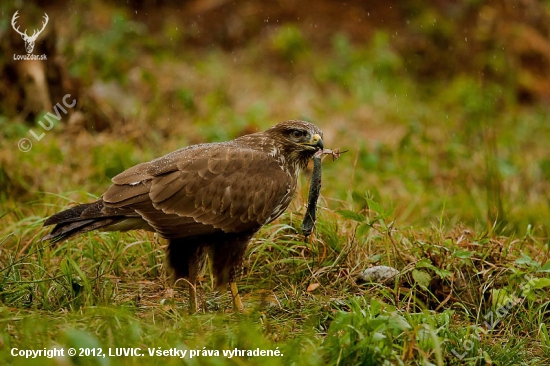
(379, 274)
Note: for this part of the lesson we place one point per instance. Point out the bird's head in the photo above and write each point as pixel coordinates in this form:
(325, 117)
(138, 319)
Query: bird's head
(297, 140)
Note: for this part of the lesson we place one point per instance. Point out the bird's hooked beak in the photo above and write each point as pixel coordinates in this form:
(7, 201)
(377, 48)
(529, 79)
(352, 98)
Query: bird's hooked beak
(316, 142)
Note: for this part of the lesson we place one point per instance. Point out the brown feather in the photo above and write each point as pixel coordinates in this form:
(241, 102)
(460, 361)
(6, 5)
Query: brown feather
(213, 196)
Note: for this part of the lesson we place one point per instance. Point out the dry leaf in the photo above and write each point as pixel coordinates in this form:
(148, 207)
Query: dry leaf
(312, 287)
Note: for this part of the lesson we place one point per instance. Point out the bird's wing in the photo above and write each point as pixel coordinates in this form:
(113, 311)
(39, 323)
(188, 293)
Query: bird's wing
(216, 186)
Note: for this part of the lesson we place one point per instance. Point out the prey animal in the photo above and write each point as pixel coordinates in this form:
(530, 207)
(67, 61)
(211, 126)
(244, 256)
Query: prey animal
(206, 200)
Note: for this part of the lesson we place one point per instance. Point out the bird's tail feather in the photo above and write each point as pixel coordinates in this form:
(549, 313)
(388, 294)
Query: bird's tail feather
(78, 220)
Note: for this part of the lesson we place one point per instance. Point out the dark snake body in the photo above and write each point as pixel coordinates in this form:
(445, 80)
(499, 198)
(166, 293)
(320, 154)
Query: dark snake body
(314, 191)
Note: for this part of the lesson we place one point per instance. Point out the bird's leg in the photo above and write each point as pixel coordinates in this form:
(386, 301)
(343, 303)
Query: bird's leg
(193, 308)
(194, 270)
(184, 257)
(237, 303)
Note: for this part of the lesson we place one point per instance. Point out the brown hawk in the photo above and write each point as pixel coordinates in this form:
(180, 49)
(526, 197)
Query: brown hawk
(205, 199)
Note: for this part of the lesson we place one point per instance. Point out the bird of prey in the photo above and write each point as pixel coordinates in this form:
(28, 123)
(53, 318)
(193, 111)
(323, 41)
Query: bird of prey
(206, 200)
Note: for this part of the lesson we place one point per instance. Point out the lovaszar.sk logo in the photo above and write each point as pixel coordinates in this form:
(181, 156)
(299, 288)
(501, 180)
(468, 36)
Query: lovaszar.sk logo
(29, 40)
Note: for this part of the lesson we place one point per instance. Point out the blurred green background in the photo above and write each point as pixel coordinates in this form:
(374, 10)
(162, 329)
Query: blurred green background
(442, 104)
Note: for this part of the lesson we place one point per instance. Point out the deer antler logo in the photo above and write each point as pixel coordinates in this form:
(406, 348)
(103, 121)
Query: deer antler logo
(29, 40)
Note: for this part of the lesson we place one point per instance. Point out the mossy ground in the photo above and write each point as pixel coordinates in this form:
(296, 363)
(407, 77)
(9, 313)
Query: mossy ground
(447, 182)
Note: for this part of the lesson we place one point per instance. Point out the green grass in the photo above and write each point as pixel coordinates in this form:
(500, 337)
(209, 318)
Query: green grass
(447, 182)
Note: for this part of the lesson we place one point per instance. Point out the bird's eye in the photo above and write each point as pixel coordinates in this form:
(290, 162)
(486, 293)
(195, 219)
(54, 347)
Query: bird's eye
(297, 134)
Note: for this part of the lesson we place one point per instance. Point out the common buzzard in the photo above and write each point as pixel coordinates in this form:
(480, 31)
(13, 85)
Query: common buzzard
(205, 199)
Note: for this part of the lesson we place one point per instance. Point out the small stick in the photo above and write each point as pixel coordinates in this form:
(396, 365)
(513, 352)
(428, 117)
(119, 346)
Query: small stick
(335, 153)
